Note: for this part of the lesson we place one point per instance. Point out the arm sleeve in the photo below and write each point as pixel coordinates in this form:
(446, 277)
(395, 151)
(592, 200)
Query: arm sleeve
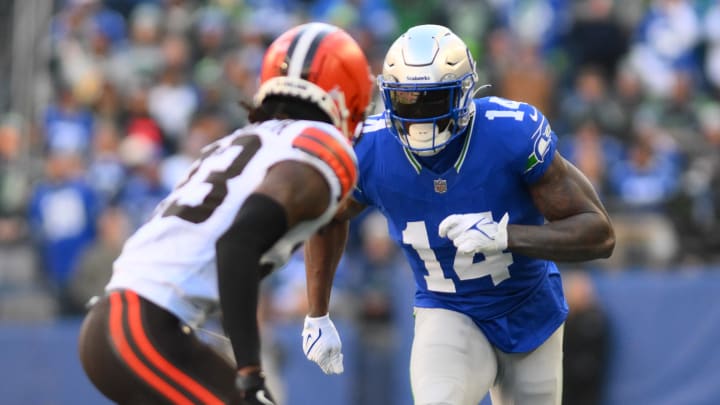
(260, 222)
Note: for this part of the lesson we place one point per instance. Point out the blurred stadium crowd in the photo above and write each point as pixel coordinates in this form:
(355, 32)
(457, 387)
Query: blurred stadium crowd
(131, 90)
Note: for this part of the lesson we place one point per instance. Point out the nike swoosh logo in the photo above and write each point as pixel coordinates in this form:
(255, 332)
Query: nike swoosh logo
(534, 115)
(481, 222)
(313, 343)
(260, 395)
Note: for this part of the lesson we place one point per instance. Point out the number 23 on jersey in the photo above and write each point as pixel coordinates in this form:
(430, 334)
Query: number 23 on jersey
(216, 179)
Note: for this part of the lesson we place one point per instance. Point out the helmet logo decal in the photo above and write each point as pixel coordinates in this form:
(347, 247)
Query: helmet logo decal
(303, 49)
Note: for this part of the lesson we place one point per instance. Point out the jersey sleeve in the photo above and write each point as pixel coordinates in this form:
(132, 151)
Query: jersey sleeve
(360, 192)
(527, 136)
(523, 134)
(364, 146)
(332, 150)
(539, 150)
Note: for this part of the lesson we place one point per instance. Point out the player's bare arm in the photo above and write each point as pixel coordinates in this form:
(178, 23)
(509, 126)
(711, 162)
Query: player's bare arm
(578, 227)
(349, 209)
(322, 255)
(299, 188)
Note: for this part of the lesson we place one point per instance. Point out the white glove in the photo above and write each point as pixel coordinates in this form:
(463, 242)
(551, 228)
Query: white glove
(321, 344)
(476, 233)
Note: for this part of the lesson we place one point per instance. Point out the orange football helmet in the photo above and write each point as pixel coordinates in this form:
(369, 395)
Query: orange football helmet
(323, 64)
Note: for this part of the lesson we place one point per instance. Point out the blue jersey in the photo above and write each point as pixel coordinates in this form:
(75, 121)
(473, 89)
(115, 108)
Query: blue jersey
(516, 300)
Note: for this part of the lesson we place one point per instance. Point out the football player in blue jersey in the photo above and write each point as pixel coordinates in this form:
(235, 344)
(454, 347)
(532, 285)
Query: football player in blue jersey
(482, 204)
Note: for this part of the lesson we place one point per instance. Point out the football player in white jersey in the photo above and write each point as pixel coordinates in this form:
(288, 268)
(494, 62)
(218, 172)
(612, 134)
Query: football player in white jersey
(251, 199)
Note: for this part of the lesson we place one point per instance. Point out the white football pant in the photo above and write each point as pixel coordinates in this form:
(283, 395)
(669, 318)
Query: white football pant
(452, 363)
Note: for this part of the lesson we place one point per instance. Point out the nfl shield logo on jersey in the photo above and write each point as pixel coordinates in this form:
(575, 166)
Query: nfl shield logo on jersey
(440, 185)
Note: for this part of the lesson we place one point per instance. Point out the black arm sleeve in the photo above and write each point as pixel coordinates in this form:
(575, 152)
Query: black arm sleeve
(260, 222)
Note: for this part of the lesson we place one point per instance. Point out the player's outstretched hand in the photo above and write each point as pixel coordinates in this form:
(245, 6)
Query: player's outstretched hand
(321, 344)
(476, 233)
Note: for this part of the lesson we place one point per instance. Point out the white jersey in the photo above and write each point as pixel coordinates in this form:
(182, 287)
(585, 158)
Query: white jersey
(170, 260)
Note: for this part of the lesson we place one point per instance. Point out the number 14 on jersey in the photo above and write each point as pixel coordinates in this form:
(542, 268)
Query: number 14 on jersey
(496, 266)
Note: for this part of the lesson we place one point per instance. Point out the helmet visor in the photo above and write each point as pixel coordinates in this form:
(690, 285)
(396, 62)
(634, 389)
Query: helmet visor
(421, 104)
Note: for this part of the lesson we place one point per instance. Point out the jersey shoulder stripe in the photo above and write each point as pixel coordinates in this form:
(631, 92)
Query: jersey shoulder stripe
(318, 143)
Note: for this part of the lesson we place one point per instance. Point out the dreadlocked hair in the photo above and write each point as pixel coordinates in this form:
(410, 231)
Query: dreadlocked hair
(285, 107)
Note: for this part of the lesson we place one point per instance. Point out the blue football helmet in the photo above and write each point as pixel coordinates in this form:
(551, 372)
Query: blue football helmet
(427, 85)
